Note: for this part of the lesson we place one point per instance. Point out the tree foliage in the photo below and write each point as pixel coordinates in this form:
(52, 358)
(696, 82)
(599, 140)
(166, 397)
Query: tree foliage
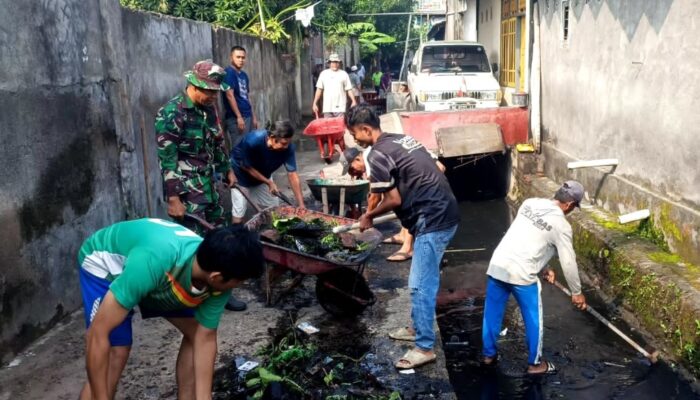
(332, 18)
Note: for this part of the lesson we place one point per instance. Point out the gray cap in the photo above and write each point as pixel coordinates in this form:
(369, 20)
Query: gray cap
(333, 57)
(347, 156)
(573, 189)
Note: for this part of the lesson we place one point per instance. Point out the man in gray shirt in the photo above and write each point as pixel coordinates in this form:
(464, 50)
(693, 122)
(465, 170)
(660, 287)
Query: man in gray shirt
(538, 232)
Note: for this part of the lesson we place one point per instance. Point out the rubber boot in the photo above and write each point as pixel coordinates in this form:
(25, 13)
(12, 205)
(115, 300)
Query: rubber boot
(234, 304)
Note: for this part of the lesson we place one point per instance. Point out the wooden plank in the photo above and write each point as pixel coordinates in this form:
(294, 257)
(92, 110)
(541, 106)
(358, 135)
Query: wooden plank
(324, 199)
(341, 209)
(469, 139)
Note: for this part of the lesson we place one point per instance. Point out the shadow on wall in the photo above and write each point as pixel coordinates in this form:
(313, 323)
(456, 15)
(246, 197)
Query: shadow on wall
(627, 13)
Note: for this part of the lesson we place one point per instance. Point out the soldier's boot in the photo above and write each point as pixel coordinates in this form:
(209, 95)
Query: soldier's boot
(235, 305)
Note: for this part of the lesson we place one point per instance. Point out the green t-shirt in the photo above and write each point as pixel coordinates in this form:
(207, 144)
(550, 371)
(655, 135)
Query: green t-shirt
(377, 78)
(149, 263)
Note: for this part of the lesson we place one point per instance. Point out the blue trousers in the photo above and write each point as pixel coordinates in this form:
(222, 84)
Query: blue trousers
(424, 282)
(530, 303)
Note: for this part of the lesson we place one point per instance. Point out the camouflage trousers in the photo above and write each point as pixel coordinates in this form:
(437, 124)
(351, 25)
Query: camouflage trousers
(203, 201)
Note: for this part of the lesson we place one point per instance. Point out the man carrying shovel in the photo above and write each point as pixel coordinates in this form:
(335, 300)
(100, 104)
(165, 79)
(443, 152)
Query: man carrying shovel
(255, 158)
(539, 229)
(413, 187)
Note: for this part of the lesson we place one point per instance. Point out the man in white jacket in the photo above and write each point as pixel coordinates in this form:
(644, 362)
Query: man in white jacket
(539, 230)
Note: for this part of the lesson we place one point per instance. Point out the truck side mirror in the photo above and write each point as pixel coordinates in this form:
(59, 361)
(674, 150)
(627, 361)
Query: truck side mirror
(494, 67)
(412, 68)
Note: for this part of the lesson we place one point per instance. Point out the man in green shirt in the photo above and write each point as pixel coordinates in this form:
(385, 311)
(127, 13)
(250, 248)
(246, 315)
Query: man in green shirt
(168, 271)
(377, 80)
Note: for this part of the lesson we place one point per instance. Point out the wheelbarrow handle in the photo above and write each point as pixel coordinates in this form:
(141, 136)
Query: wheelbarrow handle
(247, 197)
(378, 220)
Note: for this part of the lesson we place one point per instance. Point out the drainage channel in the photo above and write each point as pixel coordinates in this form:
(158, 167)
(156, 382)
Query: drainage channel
(593, 362)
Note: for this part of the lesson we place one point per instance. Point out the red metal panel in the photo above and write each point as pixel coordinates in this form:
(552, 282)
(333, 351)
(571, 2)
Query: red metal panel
(423, 125)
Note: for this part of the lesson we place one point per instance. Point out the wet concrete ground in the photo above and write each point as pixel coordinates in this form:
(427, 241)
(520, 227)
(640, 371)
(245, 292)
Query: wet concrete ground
(593, 362)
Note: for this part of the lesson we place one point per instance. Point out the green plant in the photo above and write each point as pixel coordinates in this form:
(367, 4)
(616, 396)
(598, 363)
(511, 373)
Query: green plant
(266, 377)
(647, 230)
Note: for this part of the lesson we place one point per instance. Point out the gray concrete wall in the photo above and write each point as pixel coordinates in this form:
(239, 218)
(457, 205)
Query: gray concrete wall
(489, 28)
(80, 84)
(60, 157)
(624, 86)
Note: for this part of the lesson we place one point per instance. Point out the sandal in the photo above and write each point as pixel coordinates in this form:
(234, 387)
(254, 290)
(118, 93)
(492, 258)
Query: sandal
(551, 370)
(395, 239)
(403, 334)
(414, 359)
(399, 256)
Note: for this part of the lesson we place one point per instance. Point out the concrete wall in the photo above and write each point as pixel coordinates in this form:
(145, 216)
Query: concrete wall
(462, 25)
(624, 86)
(60, 157)
(489, 28)
(80, 84)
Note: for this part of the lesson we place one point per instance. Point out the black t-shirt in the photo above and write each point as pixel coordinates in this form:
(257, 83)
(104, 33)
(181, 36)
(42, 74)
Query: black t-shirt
(427, 202)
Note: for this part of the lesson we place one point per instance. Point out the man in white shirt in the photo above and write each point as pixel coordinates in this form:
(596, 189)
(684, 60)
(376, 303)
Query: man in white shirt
(538, 232)
(335, 86)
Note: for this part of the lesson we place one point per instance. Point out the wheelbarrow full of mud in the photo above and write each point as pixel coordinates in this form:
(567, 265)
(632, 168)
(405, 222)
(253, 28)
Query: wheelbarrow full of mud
(302, 241)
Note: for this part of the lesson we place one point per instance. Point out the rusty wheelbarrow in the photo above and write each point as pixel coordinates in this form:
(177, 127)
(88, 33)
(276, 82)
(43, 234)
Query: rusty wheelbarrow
(341, 288)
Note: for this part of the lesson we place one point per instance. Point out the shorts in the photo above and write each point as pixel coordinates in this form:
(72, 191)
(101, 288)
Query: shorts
(94, 289)
(259, 194)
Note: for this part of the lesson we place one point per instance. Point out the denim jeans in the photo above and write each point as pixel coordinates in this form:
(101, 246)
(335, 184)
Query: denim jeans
(424, 282)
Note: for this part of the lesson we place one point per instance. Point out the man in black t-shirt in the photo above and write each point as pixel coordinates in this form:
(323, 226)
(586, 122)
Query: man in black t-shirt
(416, 190)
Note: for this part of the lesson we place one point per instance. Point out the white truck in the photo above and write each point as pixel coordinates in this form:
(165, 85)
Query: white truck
(451, 75)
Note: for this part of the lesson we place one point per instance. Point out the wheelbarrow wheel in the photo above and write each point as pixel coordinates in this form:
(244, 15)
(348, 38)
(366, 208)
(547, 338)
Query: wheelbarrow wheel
(343, 292)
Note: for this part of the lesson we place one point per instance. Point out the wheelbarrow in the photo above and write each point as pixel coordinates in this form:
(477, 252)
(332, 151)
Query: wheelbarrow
(327, 131)
(341, 288)
(338, 191)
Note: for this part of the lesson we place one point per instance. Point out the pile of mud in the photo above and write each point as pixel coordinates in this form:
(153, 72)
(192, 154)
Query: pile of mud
(293, 367)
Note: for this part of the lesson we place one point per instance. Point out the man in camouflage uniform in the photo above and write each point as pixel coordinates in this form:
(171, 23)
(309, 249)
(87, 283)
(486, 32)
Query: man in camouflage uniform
(191, 151)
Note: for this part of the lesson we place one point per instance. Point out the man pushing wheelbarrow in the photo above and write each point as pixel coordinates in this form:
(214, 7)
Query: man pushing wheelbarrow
(335, 87)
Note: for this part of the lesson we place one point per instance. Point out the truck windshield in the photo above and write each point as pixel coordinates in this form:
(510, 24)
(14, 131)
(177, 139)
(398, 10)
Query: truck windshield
(453, 58)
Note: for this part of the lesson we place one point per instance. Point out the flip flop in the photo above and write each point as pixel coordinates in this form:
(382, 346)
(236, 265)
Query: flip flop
(392, 240)
(403, 334)
(551, 370)
(399, 256)
(414, 359)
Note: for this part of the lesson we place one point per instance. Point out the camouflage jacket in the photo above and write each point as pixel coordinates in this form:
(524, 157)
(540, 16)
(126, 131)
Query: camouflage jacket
(190, 143)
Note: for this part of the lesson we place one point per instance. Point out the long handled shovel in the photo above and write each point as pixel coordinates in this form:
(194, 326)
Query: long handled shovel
(247, 197)
(378, 220)
(653, 356)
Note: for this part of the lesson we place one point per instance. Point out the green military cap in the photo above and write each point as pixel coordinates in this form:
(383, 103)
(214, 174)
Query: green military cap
(207, 75)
